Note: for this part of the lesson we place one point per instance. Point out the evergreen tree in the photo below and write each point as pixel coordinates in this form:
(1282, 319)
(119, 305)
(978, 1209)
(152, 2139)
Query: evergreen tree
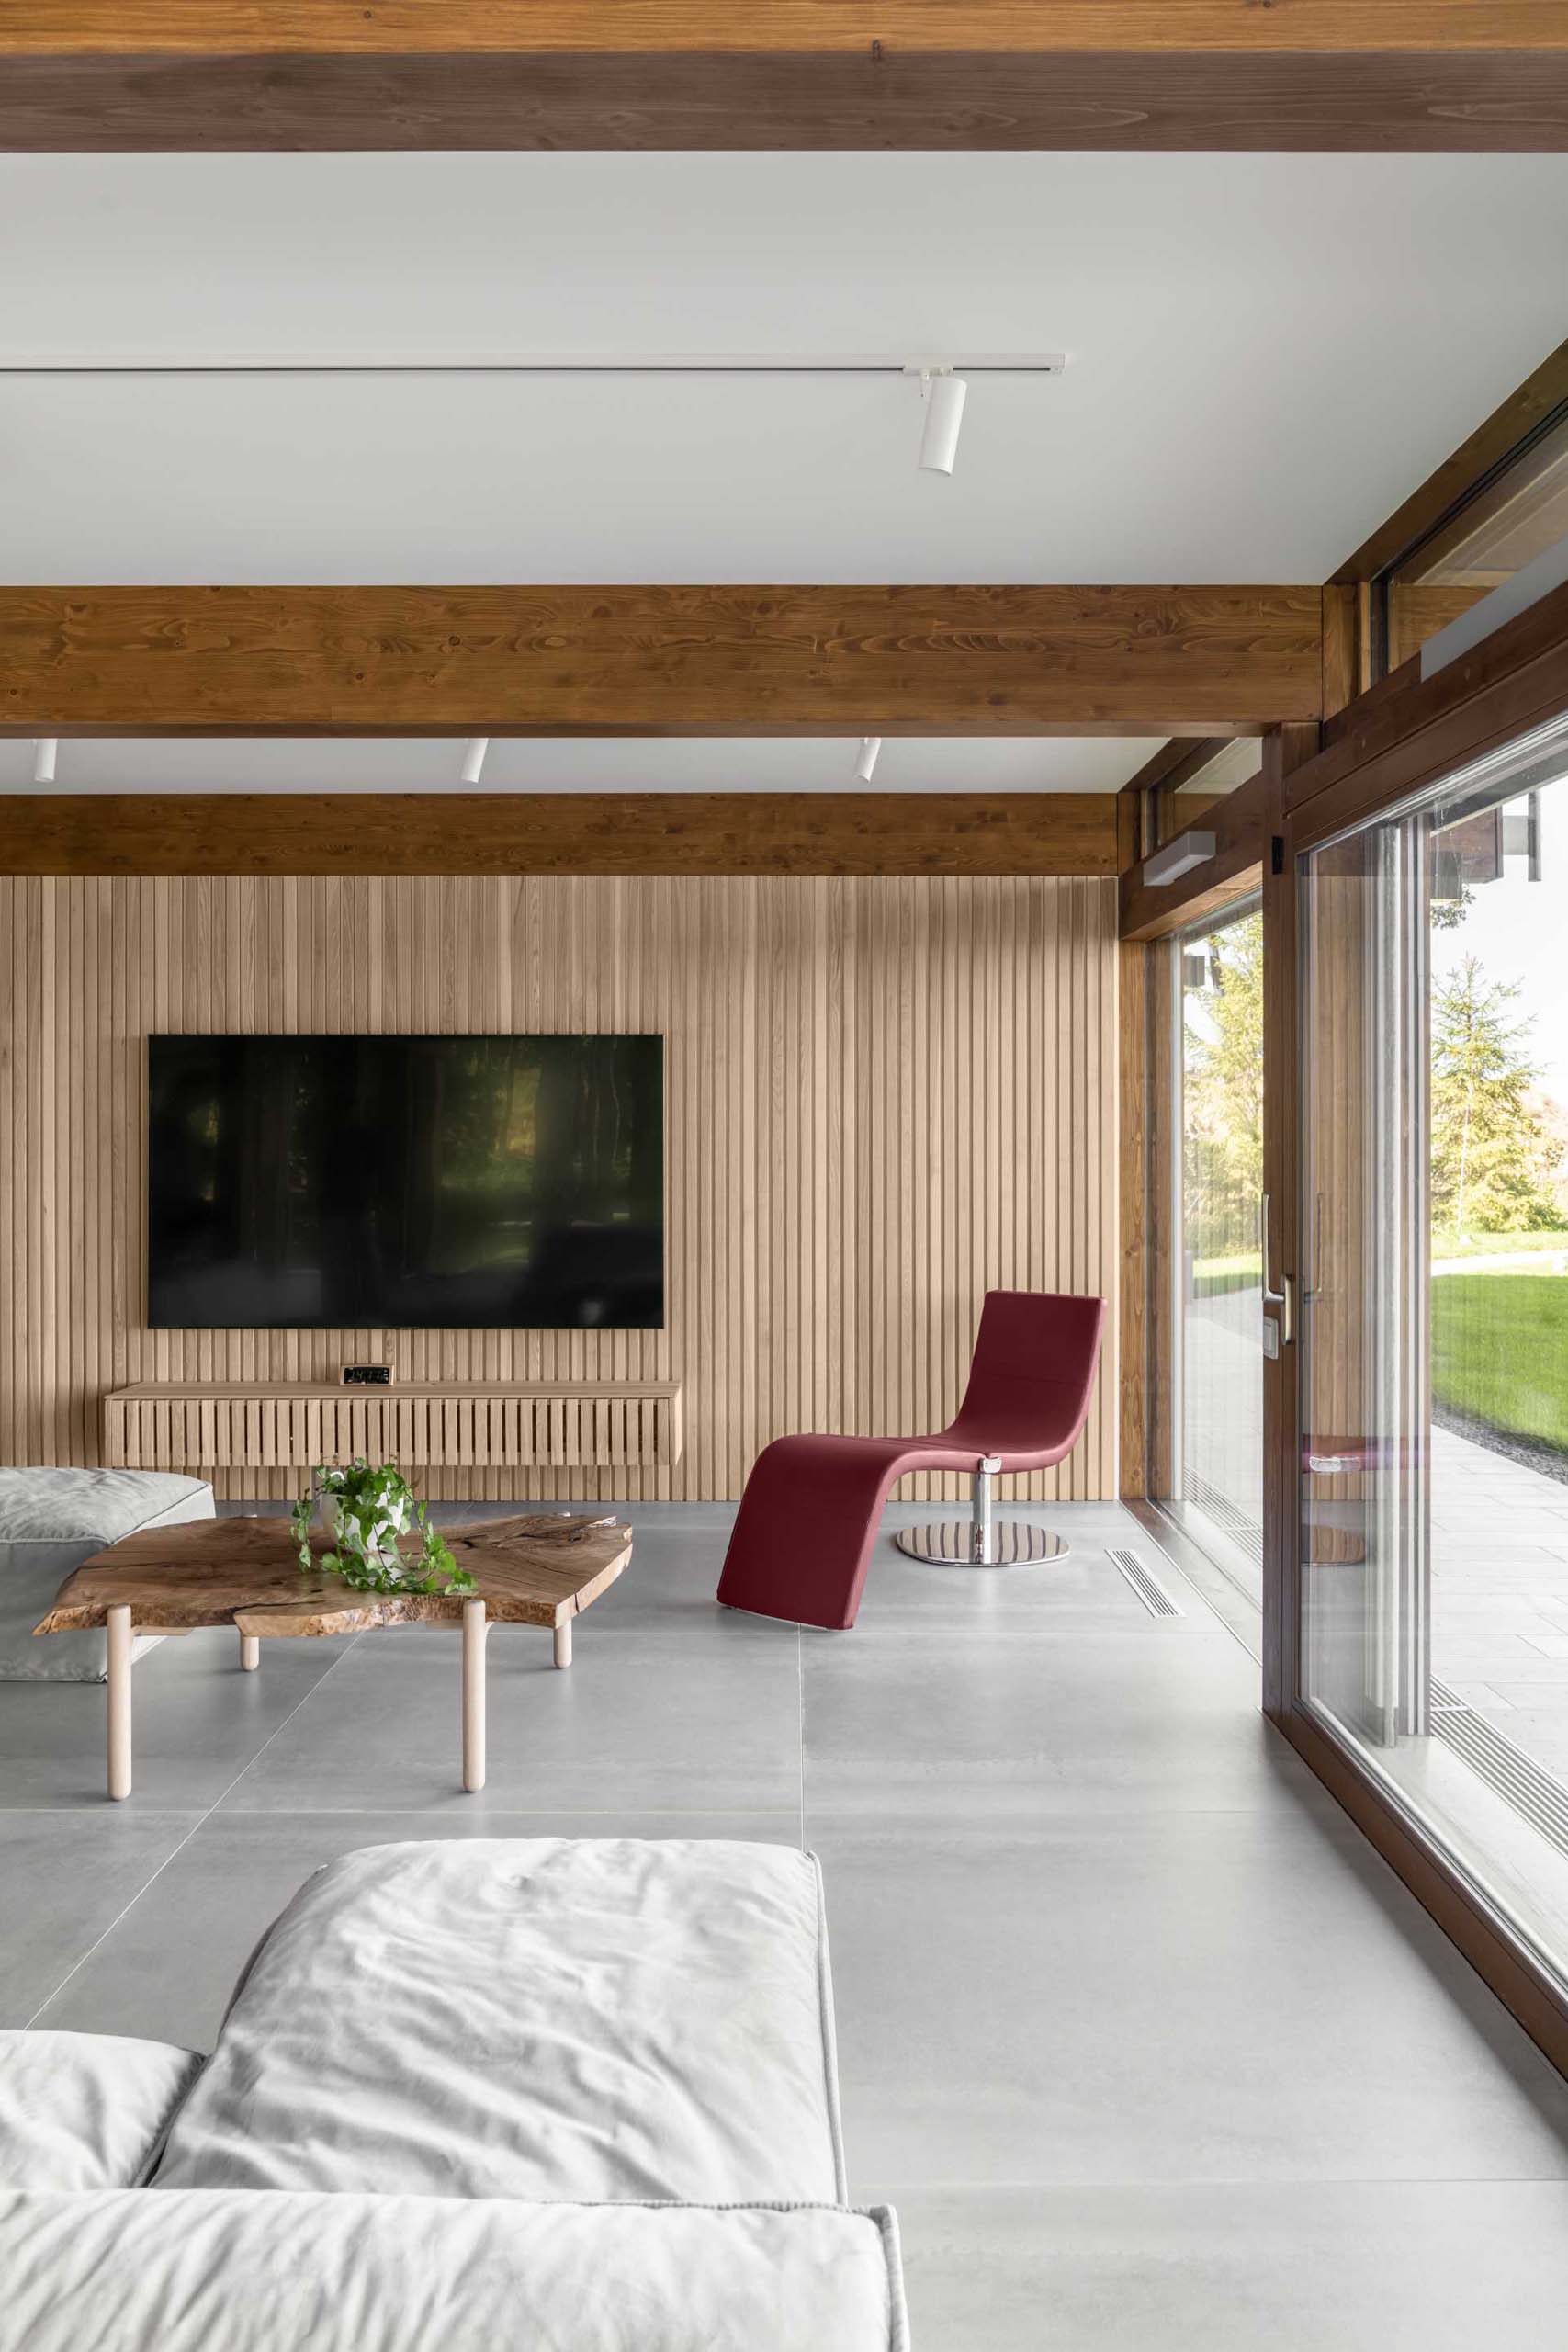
(1494, 1159)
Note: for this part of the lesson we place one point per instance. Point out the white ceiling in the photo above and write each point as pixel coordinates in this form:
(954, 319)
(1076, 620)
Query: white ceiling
(1267, 352)
(1017, 764)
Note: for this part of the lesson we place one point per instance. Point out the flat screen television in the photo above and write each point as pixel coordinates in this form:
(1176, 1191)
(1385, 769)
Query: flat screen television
(394, 1182)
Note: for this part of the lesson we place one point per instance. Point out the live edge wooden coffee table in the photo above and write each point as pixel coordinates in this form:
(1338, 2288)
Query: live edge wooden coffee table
(535, 1570)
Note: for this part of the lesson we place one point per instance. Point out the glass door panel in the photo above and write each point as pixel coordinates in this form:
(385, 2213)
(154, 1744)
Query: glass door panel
(1362, 1422)
(1217, 1263)
(1433, 1253)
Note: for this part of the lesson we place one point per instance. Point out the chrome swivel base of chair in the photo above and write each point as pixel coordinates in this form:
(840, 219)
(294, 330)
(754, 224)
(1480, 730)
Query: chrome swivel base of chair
(981, 1541)
(950, 1544)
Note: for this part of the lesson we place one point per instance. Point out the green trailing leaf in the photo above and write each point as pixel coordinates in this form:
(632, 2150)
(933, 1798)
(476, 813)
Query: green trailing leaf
(375, 1508)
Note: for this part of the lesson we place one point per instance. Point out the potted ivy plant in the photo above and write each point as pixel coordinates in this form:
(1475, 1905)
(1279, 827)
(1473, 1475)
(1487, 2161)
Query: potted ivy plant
(365, 1510)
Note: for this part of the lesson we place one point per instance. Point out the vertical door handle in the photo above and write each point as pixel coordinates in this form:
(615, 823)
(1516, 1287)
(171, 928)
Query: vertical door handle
(1272, 1297)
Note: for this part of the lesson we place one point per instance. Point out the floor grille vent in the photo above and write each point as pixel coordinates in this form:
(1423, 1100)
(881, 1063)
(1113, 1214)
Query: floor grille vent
(1516, 1777)
(1243, 1532)
(1144, 1583)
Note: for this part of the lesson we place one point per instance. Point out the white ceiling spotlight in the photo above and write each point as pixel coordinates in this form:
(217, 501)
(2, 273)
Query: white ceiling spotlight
(865, 766)
(46, 750)
(944, 395)
(474, 758)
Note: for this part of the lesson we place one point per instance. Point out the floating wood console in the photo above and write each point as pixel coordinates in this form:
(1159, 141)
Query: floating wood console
(454, 1425)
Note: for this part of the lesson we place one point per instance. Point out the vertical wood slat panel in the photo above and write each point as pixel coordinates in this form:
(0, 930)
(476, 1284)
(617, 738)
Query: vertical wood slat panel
(881, 1096)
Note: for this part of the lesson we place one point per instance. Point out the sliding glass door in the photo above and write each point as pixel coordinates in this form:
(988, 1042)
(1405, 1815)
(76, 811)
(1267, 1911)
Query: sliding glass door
(1216, 1264)
(1433, 1252)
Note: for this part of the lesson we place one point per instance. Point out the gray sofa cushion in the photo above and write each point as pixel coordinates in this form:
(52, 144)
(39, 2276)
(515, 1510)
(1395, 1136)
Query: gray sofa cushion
(51, 1519)
(124, 2271)
(86, 2110)
(592, 2018)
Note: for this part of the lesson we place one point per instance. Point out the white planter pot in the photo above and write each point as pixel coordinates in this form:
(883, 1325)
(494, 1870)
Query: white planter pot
(380, 1536)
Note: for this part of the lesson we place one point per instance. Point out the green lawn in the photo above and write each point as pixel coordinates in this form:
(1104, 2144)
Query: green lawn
(1212, 1276)
(1500, 1351)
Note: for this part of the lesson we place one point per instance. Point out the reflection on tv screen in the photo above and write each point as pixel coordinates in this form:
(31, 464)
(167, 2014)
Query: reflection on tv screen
(393, 1182)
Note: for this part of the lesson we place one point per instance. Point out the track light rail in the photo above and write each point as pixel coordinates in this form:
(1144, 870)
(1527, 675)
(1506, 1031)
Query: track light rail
(504, 363)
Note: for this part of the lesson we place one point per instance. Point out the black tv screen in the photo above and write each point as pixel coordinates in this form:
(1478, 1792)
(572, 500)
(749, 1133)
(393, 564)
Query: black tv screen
(406, 1181)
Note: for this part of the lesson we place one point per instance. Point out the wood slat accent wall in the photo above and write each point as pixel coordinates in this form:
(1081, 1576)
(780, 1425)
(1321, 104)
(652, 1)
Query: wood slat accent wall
(884, 1096)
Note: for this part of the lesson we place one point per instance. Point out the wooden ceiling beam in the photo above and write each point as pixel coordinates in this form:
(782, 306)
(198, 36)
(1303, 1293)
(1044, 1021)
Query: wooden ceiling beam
(1150, 911)
(558, 832)
(650, 28)
(657, 660)
(339, 74)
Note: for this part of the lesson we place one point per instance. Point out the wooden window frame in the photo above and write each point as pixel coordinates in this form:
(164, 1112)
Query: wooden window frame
(1360, 588)
(1401, 739)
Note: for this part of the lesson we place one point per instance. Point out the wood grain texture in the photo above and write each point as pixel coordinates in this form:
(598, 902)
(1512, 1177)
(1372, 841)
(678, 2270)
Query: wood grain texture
(1162, 984)
(1417, 610)
(228, 1424)
(884, 1097)
(1343, 655)
(631, 661)
(528, 1570)
(1407, 731)
(1286, 755)
(1133, 1157)
(1542, 392)
(1148, 910)
(877, 94)
(1006, 28)
(558, 832)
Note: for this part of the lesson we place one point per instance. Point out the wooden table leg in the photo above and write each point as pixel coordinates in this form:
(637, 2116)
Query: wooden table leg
(474, 1630)
(117, 1623)
(250, 1652)
(563, 1642)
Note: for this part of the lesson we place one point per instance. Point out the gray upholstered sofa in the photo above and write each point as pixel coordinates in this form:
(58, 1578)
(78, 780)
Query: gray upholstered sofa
(51, 1519)
(545, 2095)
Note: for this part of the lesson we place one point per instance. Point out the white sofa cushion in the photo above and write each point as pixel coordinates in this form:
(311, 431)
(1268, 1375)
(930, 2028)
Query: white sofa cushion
(86, 2110)
(51, 1519)
(540, 2017)
(124, 2271)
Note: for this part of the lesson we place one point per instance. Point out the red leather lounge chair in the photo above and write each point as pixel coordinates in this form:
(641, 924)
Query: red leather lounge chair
(809, 1515)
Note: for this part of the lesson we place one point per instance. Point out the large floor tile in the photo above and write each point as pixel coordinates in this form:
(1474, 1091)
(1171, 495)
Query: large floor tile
(66, 1878)
(1083, 1592)
(671, 1581)
(171, 1961)
(900, 1727)
(1206, 1997)
(640, 1719)
(197, 1721)
(1397, 2266)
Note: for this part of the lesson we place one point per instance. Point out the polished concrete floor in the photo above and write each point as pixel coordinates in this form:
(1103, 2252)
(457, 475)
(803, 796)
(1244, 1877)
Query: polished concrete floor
(1145, 2044)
